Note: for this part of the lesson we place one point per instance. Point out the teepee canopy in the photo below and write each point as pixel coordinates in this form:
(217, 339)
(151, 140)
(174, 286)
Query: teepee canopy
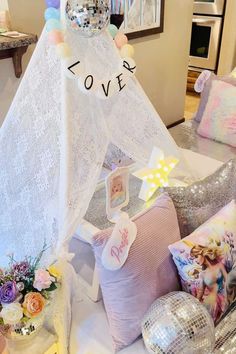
(52, 147)
(54, 140)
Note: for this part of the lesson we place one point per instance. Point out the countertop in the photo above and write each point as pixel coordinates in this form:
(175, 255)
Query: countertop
(9, 43)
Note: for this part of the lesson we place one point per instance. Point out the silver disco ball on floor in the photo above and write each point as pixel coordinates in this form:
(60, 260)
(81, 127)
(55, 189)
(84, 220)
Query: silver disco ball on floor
(178, 323)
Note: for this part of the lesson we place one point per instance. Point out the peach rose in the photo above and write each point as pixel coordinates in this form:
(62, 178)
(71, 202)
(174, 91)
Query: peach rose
(33, 304)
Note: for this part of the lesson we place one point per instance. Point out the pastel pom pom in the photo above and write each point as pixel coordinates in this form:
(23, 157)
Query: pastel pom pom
(53, 3)
(127, 51)
(55, 37)
(113, 30)
(120, 40)
(53, 24)
(51, 12)
(63, 50)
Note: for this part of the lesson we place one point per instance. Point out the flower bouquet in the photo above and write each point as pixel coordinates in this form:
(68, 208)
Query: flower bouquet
(25, 291)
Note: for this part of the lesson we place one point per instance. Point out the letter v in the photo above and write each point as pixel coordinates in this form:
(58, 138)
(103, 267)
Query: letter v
(106, 90)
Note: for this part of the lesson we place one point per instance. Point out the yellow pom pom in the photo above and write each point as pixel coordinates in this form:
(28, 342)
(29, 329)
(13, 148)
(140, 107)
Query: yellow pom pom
(53, 270)
(127, 51)
(63, 50)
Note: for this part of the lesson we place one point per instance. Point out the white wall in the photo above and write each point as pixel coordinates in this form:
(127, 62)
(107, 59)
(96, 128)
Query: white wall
(227, 60)
(162, 59)
(26, 16)
(8, 86)
(7, 81)
(3, 5)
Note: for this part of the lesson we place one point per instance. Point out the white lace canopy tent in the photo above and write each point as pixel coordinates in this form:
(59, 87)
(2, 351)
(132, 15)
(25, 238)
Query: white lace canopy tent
(53, 142)
(38, 125)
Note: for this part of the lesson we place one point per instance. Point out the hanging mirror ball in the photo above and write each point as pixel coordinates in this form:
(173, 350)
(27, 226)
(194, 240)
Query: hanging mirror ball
(88, 17)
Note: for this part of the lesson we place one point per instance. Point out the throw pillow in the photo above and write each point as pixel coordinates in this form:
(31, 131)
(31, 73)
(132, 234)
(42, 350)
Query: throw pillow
(206, 261)
(219, 118)
(206, 91)
(148, 273)
(196, 203)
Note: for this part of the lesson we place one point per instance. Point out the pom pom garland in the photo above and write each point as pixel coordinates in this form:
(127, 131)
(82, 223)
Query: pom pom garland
(53, 3)
(53, 26)
(55, 37)
(51, 12)
(120, 40)
(113, 30)
(127, 51)
(63, 50)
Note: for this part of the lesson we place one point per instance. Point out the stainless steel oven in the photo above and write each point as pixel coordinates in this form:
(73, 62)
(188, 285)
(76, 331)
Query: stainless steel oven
(205, 41)
(209, 7)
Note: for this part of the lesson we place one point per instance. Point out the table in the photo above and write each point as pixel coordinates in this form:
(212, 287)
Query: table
(15, 48)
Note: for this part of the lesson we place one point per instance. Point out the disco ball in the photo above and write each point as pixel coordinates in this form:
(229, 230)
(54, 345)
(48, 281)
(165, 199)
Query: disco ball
(178, 323)
(88, 17)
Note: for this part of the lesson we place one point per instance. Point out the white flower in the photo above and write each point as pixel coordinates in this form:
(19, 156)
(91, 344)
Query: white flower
(11, 313)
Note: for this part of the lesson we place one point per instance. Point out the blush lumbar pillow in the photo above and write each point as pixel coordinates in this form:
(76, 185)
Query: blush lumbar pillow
(206, 261)
(148, 273)
(219, 118)
(206, 91)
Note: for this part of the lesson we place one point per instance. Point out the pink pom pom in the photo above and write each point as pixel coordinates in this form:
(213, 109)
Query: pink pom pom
(55, 37)
(120, 40)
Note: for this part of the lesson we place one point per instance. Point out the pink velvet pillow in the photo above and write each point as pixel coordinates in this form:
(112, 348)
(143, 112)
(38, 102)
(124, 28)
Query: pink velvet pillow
(148, 273)
(219, 118)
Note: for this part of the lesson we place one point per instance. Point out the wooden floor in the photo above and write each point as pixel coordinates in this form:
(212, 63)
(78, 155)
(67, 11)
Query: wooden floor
(191, 105)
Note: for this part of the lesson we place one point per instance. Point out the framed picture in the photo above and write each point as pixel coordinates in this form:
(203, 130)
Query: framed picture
(117, 192)
(138, 18)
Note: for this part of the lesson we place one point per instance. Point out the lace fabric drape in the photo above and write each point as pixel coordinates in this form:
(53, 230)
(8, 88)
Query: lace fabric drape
(32, 139)
(29, 159)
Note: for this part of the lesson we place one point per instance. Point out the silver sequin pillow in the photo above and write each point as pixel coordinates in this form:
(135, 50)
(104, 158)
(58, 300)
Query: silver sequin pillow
(196, 203)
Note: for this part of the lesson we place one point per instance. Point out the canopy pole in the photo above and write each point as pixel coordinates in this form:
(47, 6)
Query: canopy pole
(64, 147)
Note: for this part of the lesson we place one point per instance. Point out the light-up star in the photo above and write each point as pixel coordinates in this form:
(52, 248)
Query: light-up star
(156, 174)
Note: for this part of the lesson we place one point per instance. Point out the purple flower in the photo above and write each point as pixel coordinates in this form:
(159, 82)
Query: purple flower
(21, 269)
(8, 292)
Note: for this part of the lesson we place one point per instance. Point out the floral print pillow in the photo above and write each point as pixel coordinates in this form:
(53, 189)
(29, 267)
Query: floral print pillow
(206, 261)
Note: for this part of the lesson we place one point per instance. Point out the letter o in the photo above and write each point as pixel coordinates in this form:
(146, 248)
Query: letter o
(88, 84)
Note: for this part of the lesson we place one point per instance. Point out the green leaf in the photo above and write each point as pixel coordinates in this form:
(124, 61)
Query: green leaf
(52, 287)
(24, 319)
(38, 258)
